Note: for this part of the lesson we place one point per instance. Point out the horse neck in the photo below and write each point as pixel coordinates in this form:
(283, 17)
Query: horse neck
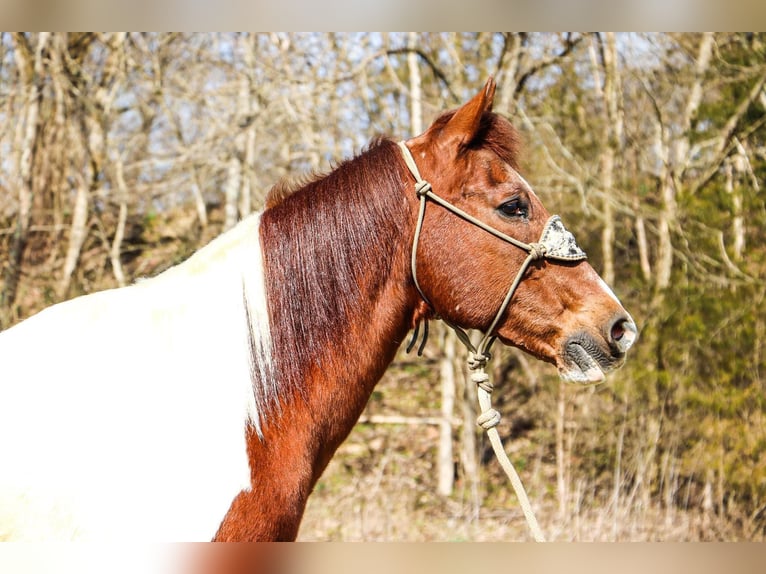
(340, 298)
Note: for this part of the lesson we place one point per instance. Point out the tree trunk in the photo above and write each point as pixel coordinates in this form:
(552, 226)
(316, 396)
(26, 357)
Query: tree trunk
(116, 248)
(561, 478)
(607, 232)
(643, 244)
(30, 66)
(676, 160)
(510, 64)
(231, 193)
(446, 465)
(667, 218)
(77, 232)
(612, 136)
(416, 103)
(90, 145)
(740, 166)
(469, 460)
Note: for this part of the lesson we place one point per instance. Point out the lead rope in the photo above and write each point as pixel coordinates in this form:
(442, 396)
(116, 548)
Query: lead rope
(488, 420)
(477, 356)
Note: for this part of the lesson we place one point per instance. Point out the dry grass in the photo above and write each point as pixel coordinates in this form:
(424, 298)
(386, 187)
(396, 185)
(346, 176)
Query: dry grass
(378, 490)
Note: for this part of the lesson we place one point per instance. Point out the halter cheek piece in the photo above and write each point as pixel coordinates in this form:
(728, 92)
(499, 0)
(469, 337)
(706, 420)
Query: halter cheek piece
(555, 243)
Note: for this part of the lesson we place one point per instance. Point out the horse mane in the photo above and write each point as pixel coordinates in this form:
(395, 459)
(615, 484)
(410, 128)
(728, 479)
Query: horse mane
(288, 185)
(326, 243)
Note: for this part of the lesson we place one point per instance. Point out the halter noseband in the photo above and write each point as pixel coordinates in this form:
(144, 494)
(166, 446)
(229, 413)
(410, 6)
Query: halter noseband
(555, 243)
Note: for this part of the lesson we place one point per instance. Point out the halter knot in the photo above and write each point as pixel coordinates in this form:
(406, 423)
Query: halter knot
(481, 379)
(422, 188)
(476, 361)
(488, 419)
(537, 250)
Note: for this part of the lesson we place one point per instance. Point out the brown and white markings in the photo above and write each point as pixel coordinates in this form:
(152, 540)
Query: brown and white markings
(206, 402)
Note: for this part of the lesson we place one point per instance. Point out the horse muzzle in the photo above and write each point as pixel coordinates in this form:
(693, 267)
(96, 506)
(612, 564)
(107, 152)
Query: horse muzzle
(586, 357)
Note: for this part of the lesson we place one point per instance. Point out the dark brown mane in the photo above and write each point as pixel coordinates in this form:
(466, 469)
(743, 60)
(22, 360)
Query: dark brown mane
(288, 185)
(326, 247)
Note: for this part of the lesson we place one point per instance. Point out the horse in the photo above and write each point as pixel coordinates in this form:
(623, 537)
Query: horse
(204, 403)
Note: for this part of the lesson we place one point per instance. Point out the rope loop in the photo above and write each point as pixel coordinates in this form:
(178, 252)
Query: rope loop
(537, 250)
(422, 188)
(488, 419)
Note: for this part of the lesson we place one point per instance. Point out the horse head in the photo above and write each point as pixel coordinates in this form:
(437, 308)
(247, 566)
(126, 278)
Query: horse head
(491, 257)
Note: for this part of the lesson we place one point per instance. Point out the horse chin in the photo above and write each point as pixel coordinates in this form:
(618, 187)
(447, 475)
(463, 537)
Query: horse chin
(581, 364)
(577, 375)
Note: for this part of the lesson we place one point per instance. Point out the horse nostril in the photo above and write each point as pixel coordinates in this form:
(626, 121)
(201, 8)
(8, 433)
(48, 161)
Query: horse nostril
(622, 333)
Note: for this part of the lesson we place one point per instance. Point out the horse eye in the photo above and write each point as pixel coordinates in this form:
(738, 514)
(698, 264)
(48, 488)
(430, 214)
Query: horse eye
(514, 208)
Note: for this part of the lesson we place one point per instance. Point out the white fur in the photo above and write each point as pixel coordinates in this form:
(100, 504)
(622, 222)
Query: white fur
(608, 290)
(123, 413)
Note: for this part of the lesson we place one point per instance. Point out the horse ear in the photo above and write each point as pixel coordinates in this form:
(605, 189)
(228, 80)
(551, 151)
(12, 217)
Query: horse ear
(463, 126)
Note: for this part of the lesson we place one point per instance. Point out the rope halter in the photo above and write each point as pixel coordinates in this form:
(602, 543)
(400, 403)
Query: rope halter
(556, 243)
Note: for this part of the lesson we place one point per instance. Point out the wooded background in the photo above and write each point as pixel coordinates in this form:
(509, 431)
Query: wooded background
(121, 154)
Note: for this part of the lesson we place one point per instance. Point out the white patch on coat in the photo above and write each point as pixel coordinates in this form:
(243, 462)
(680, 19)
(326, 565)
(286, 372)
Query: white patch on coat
(123, 413)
